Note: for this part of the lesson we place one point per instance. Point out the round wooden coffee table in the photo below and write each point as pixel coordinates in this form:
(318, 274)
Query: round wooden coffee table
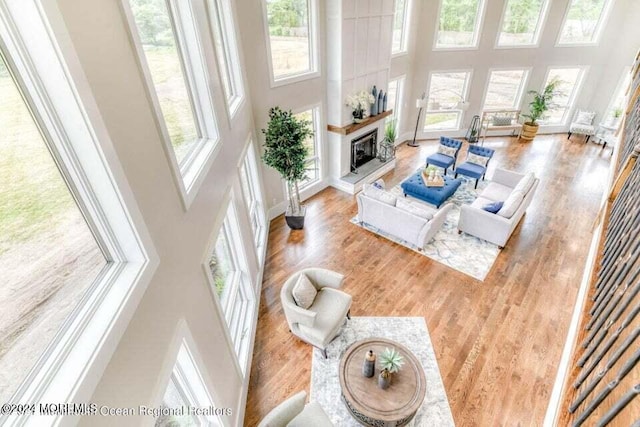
(369, 404)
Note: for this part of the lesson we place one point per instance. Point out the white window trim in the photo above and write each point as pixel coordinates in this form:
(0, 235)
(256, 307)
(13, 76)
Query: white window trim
(464, 95)
(36, 41)
(222, 11)
(189, 175)
(542, 19)
(223, 307)
(619, 87)
(521, 89)
(316, 116)
(260, 238)
(182, 338)
(397, 111)
(476, 35)
(314, 59)
(574, 93)
(602, 23)
(406, 24)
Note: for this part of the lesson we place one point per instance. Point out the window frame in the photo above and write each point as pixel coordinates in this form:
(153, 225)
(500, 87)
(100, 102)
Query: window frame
(464, 95)
(397, 110)
(254, 204)
(314, 55)
(41, 58)
(521, 89)
(195, 54)
(220, 12)
(404, 35)
(542, 19)
(595, 39)
(183, 351)
(476, 34)
(316, 123)
(619, 89)
(242, 285)
(572, 97)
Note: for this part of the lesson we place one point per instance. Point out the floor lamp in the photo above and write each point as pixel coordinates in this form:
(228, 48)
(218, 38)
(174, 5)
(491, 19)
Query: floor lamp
(420, 104)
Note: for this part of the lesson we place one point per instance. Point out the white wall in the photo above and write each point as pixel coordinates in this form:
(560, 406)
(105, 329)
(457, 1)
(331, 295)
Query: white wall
(617, 47)
(179, 290)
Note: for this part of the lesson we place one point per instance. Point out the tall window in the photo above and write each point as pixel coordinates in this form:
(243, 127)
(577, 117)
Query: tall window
(48, 254)
(394, 99)
(583, 21)
(172, 56)
(522, 22)
(291, 27)
(504, 90)
(250, 181)
(447, 91)
(186, 389)
(227, 266)
(618, 104)
(227, 52)
(313, 164)
(459, 23)
(400, 26)
(569, 82)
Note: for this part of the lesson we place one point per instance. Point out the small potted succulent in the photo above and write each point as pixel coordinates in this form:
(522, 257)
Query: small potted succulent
(390, 361)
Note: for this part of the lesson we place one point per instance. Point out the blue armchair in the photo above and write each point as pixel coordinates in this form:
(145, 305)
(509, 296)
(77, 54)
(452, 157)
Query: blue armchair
(476, 164)
(444, 160)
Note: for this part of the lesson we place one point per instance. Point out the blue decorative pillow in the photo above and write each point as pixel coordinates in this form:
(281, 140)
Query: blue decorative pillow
(493, 207)
(378, 185)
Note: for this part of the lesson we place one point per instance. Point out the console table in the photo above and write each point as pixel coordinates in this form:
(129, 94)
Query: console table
(369, 404)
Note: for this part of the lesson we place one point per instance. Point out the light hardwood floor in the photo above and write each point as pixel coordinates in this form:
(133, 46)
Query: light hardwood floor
(497, 342)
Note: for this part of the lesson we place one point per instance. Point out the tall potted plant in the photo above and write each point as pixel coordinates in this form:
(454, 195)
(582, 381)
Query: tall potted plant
(284, 150)
(541, 102)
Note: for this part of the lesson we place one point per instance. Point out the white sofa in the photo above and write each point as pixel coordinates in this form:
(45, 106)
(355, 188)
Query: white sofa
(411, 221)
(294, 413)
(515, 190)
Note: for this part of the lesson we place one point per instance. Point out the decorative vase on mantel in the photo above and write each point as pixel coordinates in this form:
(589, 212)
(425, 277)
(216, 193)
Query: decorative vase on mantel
(358, 116)
(384, 379)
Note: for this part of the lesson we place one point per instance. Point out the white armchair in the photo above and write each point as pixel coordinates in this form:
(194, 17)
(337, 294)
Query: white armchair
(319, 324)
(293, 412)
(583, 124)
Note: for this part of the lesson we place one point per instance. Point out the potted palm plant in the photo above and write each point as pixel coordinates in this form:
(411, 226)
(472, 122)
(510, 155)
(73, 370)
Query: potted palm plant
(284, 150)
(538, 106)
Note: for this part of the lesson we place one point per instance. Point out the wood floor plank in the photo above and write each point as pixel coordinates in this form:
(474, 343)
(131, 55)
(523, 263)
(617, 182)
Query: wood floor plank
(497, 342)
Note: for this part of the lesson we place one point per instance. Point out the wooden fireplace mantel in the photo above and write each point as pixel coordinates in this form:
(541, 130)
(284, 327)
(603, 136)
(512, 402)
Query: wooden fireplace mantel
(346, 130)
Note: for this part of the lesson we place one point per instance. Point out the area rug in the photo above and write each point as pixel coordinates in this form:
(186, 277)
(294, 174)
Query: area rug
(467, 254)
(408, 331)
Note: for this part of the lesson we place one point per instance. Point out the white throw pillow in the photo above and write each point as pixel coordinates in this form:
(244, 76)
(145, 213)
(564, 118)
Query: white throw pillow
(447, 151)
(378, 194)
(478, 160)
(512, 204)
(585, 117)
(525, 183)
(304, 293)
(413, 208)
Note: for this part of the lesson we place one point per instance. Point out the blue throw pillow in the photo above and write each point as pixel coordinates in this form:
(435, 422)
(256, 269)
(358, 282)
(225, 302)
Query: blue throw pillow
(493, 207)
(377, 185)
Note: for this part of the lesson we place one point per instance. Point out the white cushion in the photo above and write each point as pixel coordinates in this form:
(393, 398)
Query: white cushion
(378, 194)
(304, 293)
(512, 204)
(525, 183)
(447, 151)
(413, 208)
(585, 117)
(496, 192)
(477, 160)
(312, 416)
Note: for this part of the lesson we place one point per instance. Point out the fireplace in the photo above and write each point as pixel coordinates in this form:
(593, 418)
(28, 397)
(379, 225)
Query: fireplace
(364, 149)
